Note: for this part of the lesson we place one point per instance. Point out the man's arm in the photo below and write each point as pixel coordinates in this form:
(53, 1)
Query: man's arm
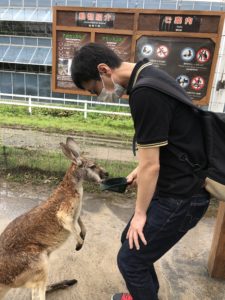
(147, 176)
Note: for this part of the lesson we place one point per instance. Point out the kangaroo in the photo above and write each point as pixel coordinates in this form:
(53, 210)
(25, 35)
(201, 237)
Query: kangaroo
(27, 242)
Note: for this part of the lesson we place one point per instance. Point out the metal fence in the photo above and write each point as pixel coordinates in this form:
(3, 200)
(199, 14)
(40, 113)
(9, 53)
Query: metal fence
(63, 104)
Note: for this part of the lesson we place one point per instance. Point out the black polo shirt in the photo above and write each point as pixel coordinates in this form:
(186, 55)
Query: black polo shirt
(162, 121)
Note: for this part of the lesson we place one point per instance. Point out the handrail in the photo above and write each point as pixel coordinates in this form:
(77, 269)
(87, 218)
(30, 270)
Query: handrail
(27, 102)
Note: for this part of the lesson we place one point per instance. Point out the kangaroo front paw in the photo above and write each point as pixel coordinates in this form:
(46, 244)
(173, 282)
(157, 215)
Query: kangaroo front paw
(79, 246)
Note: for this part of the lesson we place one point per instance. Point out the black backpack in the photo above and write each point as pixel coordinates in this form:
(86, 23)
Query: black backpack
(213, 125)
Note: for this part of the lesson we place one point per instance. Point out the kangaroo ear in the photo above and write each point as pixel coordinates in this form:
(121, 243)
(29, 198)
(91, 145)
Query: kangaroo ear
(72, 145)
(68, 153)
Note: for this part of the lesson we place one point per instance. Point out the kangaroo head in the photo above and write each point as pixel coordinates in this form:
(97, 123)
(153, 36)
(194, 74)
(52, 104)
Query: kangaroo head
(85, 168)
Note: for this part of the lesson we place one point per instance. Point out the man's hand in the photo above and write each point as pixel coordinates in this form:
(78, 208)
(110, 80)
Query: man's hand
(136, 230)
(132, 177)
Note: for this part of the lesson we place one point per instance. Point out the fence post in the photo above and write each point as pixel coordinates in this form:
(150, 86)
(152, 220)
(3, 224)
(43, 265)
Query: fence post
(85, 110)
(30, 108)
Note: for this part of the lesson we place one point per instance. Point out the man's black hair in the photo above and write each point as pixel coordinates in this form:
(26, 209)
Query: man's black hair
(86, 60)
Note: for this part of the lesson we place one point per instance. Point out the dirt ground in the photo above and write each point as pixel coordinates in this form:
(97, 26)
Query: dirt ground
(94, 147)
(182, 271)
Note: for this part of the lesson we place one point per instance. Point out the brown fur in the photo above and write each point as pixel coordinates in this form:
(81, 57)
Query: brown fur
(28, 240)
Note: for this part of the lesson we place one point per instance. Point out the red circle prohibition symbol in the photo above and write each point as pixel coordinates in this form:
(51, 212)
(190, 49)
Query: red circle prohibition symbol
(197, 83)
(203, 55)
(162, 51)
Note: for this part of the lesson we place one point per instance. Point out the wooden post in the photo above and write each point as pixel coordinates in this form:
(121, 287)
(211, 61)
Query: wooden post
(216, 262)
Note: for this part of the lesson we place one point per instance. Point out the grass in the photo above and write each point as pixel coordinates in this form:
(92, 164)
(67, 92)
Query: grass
(59, 121)
(34, 166)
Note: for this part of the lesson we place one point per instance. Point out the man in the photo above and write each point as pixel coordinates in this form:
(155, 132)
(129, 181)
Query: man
(171, 198)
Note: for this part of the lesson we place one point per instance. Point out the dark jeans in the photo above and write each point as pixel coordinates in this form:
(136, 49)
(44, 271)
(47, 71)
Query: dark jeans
(168, 220)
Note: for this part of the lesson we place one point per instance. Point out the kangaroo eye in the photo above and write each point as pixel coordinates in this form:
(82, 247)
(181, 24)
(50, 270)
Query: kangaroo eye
(92, 166)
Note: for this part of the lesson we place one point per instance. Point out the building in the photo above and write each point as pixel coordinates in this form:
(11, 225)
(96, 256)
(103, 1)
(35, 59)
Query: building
(26, 38)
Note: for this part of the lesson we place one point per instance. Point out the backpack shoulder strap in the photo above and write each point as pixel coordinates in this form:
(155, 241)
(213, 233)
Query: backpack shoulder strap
(163, 82)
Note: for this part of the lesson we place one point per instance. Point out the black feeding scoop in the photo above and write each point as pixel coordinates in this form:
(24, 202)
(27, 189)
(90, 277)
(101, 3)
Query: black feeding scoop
(117, 184)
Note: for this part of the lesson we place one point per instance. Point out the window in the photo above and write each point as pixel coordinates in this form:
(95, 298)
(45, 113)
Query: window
(38, 29)
(104, 3)
(19, 67)
(40, 56)
(168, 4)
(48, 60)
(56, 95)
(12, 53)
(31, 84)
(135, 4)
(74, 2)
(218, 6)
(45, 42)
(18, 83)
(16, 28)
(151, 4)
(90, 3)
(18, 3)
(44, 85)
(6, 82)
(45, 69)
(4, 3)
(58, 2)
(44, 3)
(17, 40)
(39, 69)
(25, 68)
(204, 5)
(186, 5)
(6, 66)
(4, 40)
(25, 55)
(116, 3)
(3, 49)
(24, 14)
(26, 28)
(30, 3)
(30, 41)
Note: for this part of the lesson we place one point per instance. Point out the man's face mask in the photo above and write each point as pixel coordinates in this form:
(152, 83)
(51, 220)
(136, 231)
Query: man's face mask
(111, 96)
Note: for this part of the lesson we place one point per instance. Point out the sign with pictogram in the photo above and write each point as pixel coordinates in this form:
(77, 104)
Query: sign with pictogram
(162, 51)
(178, 59)
(197, 83)
(187, 54)
(183, 80)
(203, 55)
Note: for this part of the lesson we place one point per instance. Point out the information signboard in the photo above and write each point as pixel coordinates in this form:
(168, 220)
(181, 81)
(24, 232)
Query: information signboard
(67, 44)
(183, 43)
(120, 44)
(188, 60)
(94, 19)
